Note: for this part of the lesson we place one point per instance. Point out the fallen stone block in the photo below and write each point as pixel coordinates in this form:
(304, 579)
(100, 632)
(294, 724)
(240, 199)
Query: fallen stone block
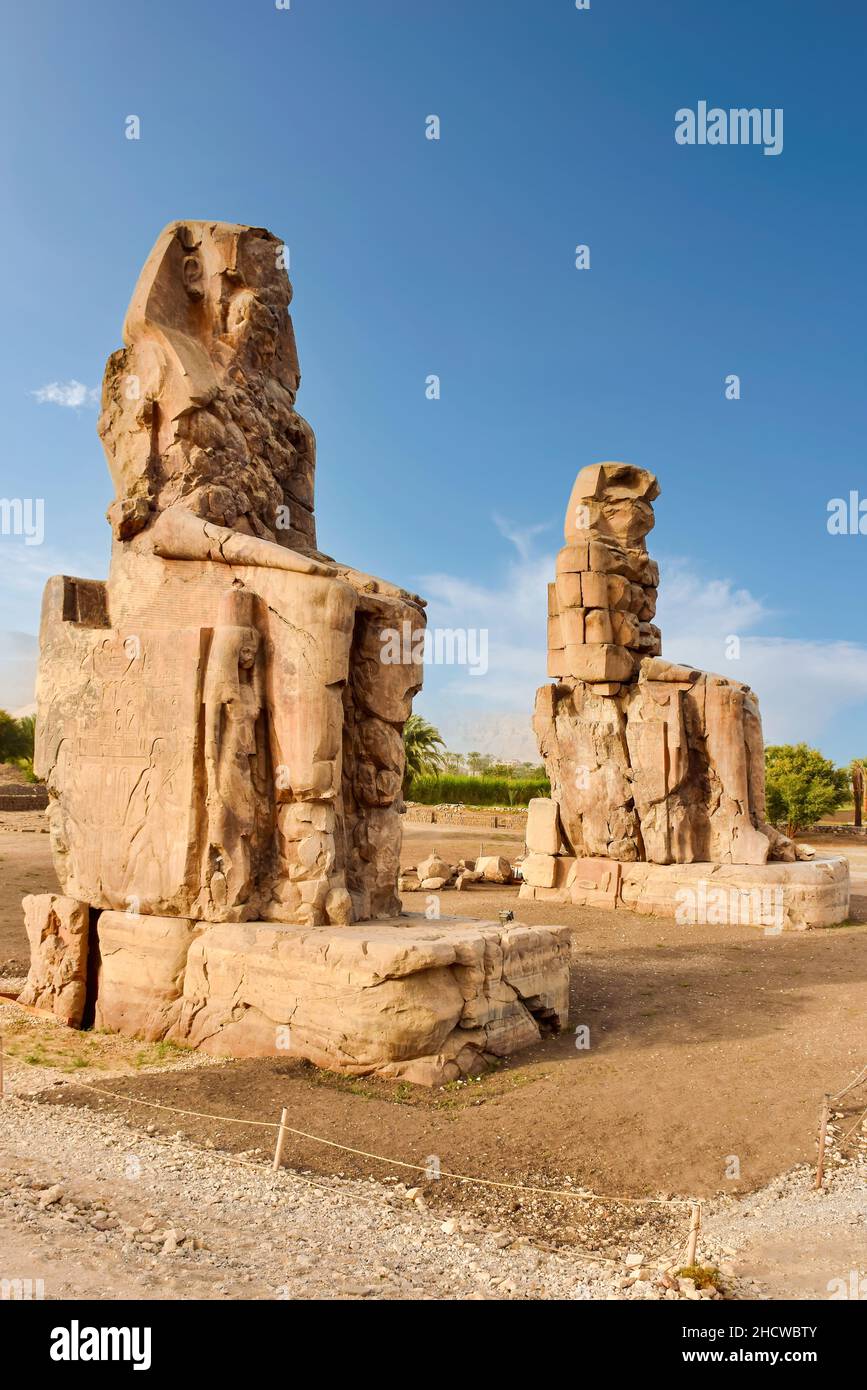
(494, 868)
(58, 930)
(543, 826)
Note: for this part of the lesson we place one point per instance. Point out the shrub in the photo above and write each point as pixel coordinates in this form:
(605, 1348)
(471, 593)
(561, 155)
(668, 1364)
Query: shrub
(436, 790)
(801, 785)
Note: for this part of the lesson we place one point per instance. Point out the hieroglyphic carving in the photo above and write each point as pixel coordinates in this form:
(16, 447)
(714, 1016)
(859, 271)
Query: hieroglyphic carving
(123, 777)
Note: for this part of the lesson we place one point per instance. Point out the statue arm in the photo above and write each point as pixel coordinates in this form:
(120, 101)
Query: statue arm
(179, 535)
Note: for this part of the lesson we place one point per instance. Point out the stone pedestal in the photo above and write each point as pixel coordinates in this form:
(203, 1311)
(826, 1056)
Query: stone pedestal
(402, 998)
(775, 896)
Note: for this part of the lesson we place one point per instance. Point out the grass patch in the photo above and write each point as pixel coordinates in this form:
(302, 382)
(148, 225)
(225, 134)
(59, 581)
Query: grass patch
(703, 1276)
(45, 1044)
(451, 1095)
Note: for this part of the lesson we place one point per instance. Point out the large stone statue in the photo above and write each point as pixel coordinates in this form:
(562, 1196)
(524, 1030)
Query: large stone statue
(220, 725)
(217, 733)
(650, 763)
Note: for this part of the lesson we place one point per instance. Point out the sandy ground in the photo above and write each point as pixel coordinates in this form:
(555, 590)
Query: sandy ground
(710, 1048)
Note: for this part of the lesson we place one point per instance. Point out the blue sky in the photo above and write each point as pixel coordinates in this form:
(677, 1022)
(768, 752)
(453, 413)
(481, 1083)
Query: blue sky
(455, 257)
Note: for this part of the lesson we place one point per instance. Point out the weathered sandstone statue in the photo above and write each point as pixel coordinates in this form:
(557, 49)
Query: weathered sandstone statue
(220, 723)
(650, 763)
(218, 735)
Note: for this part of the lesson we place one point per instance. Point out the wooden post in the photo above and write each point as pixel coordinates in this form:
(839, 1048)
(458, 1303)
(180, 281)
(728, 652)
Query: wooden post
(823, 1128)
(281, 1139)
(694, 1227)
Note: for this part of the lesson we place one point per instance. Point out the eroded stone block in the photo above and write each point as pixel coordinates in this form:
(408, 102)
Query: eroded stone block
(57, 929)
(425, 1001)
(142, 964)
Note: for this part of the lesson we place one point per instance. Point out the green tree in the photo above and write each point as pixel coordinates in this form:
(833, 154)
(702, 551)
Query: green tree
(16, 738)
(453, 762)
(479, 764)
(424, 749)
(802, 786)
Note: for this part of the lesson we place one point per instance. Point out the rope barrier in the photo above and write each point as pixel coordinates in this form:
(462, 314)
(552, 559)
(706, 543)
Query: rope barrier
(857, 1124)
(859, 1079)
(381, 1158)
(283, 1128)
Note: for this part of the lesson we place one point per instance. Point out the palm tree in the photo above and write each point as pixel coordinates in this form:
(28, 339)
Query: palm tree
(421, 744)
(856, 772)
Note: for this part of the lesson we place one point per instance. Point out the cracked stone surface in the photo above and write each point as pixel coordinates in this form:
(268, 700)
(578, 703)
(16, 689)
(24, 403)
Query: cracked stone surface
(410, 999)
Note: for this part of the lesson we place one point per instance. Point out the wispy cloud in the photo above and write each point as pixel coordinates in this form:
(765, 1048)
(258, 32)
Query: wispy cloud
(804, 684)
(24, 571)
(522, 537)
(72, 394)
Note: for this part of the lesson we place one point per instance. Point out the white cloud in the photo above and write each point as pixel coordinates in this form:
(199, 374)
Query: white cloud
(804, 685)
(522, 537)
(68, 393)
(24, 570)
(491, 713)
(18, 654)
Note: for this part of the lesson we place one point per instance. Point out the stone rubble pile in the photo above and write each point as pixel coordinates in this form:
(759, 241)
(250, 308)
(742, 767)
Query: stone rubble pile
(434, 874)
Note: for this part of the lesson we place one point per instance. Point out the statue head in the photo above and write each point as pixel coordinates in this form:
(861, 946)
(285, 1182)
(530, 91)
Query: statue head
(218, 290)
(198, 409)
(611, 501)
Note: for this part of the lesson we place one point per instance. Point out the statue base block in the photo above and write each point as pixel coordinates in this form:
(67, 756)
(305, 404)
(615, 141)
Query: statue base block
(401, 998)
(775, 897)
